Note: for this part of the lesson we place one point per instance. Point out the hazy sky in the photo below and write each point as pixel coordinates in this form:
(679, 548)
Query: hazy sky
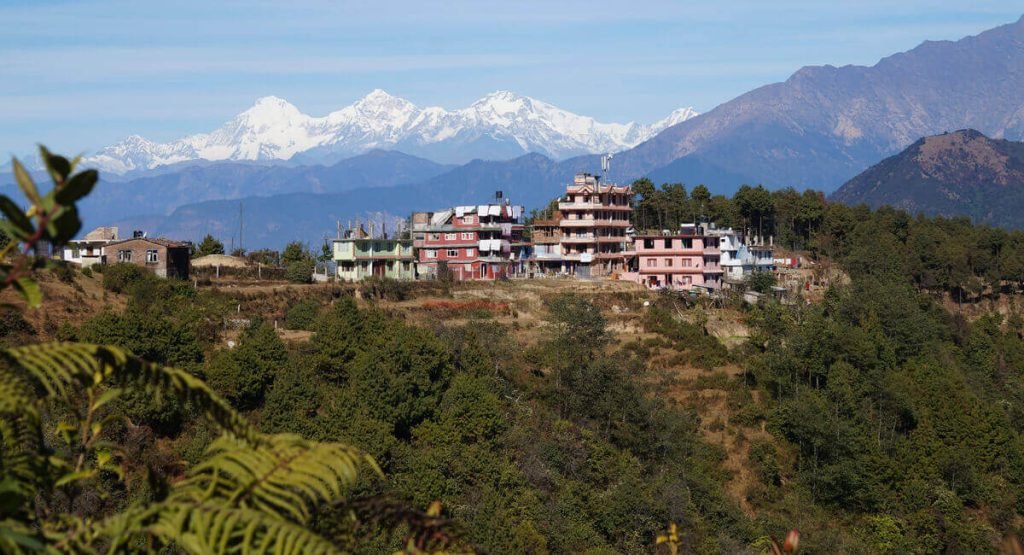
(78, 75)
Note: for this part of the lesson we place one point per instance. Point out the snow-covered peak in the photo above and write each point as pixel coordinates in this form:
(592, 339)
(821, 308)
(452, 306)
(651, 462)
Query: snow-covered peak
(379, 102)
(502, 102)
(679, 115)
(270, 111)
(274, 129)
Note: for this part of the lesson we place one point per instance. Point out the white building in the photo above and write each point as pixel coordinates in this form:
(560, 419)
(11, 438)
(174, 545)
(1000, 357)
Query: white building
(739, 257)
(89, 249)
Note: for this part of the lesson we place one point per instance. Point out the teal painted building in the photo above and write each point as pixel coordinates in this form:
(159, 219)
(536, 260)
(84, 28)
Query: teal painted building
(358, 258)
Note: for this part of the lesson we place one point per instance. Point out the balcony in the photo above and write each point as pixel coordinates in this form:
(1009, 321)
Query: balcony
(578, 239)
(672, 270)
(546, 256)
(660, 251)
(546, 238)
(594, 222)
(594, 206)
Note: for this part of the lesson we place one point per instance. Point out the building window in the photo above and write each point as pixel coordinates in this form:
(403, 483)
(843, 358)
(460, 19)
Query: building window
(470, 252)
(151, 256)
(419, 236)
(668, 243)
(451, 236)
(648, 243)
(686, 280)
(467, 219)
(668, 262)
(467, 236)
(453, 253)
(652, 263)
(435, 236)
(431, 253)
(687, 263)
(469, 268)
(124, 255)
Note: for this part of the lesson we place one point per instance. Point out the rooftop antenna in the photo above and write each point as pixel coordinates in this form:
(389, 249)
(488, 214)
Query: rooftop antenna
(606, 163)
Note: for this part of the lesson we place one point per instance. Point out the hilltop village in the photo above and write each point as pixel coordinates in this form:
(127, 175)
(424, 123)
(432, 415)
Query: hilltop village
(587, 233)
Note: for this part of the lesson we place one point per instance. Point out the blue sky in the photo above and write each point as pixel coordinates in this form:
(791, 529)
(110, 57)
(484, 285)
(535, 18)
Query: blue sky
(78, 75)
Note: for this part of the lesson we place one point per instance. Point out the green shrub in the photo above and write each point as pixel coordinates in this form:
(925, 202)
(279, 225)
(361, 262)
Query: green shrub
(13, 324)
(762, 282)
(64, 271)
(764, 459)
(119, 277)
(300, 271)
(384, 288)
(301, 315)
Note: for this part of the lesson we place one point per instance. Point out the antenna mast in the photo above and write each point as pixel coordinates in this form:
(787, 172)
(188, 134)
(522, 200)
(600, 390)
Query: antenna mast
(240, 220)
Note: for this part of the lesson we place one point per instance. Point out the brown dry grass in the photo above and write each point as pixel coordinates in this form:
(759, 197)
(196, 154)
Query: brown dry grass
(73, 302)
(717, 426)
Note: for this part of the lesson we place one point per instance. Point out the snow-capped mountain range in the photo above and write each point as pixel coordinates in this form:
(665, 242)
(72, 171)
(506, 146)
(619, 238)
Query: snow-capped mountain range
(498, 126)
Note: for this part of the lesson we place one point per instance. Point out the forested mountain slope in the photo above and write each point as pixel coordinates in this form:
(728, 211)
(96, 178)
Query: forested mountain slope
(963, 173)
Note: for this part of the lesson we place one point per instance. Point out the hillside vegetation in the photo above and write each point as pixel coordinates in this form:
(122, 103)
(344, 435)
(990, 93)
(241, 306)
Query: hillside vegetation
(556, 416)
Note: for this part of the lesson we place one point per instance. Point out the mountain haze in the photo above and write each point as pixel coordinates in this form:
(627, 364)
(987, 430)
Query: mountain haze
(144, 202)
(963, 173)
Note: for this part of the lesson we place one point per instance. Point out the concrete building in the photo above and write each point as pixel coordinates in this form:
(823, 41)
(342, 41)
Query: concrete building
(479, 242)
(89, 249)
(163, 257)
(677, 260)
(741, 257)
(595, 219)
(359, 256)
(546, 239)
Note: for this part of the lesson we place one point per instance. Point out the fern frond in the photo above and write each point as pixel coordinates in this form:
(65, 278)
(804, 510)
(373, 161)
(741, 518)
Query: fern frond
(16, 538)
(20, 445)
(288, 477)
(55, 367)
(208, 528)
(243, 497)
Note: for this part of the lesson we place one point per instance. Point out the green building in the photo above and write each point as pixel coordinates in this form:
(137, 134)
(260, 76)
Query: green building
(360, 257)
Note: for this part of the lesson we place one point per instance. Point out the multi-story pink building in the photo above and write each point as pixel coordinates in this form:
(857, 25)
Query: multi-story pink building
(593, 227)
(676, 260)
(480, 242)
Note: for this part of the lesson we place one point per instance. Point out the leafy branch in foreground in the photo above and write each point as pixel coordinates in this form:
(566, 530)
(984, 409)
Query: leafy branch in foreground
(58, 432)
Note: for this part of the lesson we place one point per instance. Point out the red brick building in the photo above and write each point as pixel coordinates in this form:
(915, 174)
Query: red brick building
(480, 242)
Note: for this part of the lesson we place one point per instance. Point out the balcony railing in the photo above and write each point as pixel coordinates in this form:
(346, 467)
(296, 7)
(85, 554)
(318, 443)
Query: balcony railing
(593, 206)
(594, 222)
(661, 251)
